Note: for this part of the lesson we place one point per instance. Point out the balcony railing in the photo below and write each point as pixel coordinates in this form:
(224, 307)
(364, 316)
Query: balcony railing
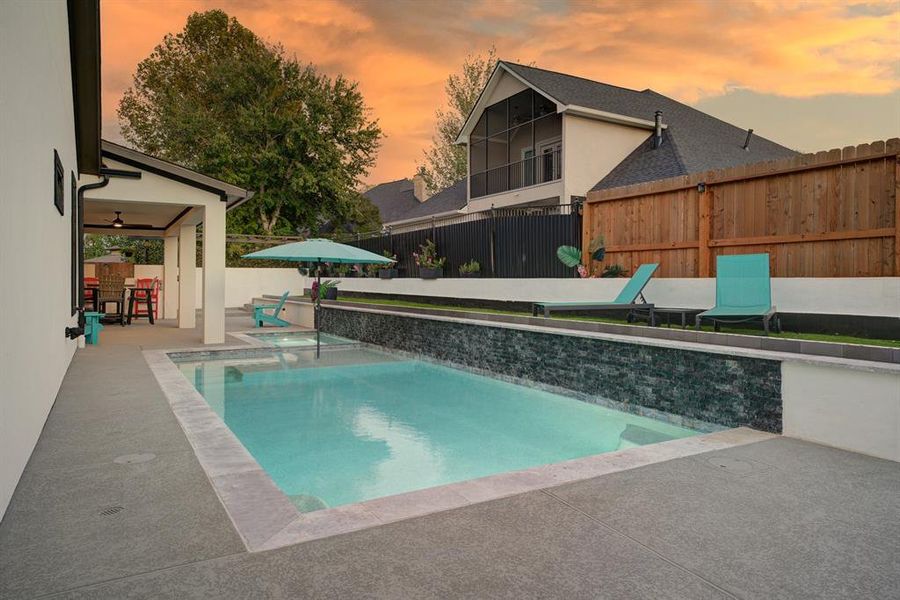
(530, 171)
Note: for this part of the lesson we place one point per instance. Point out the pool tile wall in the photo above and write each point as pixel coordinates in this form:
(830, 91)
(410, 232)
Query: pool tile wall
(727, 390)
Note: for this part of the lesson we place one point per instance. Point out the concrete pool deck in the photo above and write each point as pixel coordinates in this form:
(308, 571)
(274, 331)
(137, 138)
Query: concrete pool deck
(777, 518)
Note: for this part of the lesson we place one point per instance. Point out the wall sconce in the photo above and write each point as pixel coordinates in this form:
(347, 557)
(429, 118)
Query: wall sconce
(701, 187)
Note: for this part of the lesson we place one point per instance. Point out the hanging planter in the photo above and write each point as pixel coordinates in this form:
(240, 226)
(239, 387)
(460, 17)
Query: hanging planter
(597, 248)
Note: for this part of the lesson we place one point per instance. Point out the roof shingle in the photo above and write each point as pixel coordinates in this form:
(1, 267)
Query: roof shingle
(693, 141)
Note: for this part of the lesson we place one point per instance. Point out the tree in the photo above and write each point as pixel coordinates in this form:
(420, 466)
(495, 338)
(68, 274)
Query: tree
(445, 162)
(219, 100)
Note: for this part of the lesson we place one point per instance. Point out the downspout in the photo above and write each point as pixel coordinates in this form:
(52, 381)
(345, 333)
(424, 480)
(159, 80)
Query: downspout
(74, 332)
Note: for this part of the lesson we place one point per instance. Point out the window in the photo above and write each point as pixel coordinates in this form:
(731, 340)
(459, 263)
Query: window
(480, 132)
(59, 184)
(507, 145)
(496, 118)
(543, 106)
(520, 108)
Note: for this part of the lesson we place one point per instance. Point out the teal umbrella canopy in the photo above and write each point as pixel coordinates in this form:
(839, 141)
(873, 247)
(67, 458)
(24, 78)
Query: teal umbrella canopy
(320, 251)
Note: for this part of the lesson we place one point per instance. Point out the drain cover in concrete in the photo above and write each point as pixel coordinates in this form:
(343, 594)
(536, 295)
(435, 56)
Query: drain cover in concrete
(732, 465)
(131, 459)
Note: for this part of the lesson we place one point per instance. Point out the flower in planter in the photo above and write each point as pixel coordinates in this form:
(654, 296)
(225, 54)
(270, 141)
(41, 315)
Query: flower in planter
(427, 258)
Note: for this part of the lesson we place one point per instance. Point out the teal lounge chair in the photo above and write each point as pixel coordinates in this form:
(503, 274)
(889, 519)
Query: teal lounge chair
(743, 292)
(260, 316)
(626, 300)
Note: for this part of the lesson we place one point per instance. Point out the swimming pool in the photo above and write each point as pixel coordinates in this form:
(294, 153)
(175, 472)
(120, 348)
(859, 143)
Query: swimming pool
(360, 424)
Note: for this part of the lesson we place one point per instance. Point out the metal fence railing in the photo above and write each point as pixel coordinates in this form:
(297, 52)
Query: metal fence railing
(533, 170)
(506, 242)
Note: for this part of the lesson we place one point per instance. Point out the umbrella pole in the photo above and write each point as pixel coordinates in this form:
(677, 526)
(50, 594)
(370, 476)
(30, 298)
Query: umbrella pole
(318, 304)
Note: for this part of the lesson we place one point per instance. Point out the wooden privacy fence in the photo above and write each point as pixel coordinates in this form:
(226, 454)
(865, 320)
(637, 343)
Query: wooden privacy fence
(830, 214)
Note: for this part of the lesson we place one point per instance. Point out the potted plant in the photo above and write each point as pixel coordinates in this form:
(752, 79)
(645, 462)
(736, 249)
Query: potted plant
(431, 266)
(571, 257)
(613, 271)
(326, 290)
(390, 271)
(470, 269)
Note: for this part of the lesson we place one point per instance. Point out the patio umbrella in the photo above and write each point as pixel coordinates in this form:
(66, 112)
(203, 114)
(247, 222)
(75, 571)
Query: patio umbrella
(318, 251)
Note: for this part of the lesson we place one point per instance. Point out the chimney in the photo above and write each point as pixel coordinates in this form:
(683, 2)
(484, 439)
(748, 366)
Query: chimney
(657, 129)
(420, 190)
(747, 141)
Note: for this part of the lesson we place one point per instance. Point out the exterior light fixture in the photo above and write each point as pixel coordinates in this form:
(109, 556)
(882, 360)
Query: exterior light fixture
(701, 187)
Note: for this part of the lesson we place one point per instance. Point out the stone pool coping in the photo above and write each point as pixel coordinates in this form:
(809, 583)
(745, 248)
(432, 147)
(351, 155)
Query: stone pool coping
(266, 519)
(678, 344)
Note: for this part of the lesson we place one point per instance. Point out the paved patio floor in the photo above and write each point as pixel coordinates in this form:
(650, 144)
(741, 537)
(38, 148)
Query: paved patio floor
(775, 519)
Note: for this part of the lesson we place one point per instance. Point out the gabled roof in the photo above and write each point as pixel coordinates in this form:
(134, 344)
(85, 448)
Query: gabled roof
(693, 141)
(231, 194)
(393, 199)
(447, 200)
(396, 202)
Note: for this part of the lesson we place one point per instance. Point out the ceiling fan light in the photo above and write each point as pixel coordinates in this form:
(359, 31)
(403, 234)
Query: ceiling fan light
(117, 223)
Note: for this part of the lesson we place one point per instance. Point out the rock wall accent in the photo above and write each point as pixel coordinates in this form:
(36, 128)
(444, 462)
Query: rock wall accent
(726, 390)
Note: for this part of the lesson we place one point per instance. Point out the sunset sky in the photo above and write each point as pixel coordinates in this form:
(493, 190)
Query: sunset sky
(810, 75)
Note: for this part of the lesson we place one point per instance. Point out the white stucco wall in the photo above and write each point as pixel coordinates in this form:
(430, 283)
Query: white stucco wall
(507, 86)
(846, 408)
(591, 149)
(875, 296)
(35, 302)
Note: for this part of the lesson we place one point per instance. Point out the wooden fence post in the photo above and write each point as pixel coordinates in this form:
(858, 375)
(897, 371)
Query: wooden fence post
(704, 223)
(897, 216)
(585, 235)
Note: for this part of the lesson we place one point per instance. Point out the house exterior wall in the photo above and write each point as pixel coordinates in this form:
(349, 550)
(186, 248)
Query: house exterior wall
(591, 149)
(506, 86)
(35, 240)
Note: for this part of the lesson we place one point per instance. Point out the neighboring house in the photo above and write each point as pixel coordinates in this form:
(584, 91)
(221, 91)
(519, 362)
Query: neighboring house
(407, 201)
(540, 137)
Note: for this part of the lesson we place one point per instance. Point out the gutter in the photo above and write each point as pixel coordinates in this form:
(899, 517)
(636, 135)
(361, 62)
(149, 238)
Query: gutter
(602, 115)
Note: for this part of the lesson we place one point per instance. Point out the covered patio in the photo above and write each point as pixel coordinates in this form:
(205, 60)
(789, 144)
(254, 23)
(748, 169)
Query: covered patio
(143, 196)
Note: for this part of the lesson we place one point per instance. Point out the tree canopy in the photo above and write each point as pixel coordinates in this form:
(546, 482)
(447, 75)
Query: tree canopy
(218, 99)
(445, 163)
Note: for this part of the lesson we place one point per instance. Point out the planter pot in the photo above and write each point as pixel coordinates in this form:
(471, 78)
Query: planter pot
(387, 273)
(599, 254)
(470, 275)
(431, 273)
(331, 294)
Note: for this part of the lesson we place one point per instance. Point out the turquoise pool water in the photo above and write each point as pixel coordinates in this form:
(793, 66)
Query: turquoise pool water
(299, 339)
(361, 424)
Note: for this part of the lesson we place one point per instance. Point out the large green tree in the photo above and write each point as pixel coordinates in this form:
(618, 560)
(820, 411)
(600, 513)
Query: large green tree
(218, 99)
(445, 162)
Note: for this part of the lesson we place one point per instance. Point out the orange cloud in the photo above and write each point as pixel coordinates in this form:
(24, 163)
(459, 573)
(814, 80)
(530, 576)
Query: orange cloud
(401, 52)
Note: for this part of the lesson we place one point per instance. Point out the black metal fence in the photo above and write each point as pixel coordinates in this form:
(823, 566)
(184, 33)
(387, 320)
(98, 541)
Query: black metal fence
(506, 242)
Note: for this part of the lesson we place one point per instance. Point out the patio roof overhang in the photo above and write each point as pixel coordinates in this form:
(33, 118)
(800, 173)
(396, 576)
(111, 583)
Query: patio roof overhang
(164, 197)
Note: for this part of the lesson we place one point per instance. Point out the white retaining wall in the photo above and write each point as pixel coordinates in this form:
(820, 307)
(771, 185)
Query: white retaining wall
(869, 296)
(849, 408)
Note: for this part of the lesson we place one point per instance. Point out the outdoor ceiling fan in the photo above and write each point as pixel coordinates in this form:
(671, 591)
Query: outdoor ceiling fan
(119, 223)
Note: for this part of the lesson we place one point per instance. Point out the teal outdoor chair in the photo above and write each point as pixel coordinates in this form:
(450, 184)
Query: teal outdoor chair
(626, 300)
(743, 292)
(260, 316)
(92, 327)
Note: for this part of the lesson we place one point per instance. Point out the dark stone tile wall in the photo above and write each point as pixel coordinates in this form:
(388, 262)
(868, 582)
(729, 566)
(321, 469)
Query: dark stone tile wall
(726, 390)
